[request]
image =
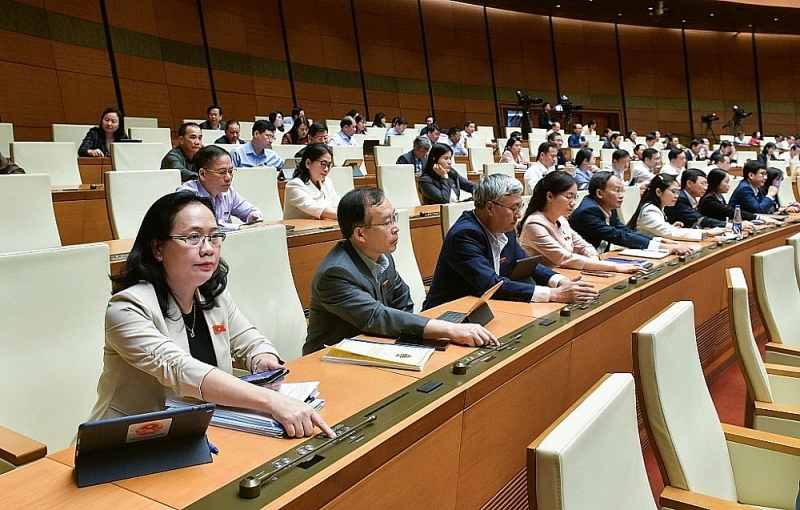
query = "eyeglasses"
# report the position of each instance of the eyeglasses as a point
(222, 171)
(674, 191)
(517, 208)
(387, 224)
(570, 196)
(323, 163)
(195, 239)
(269, 138)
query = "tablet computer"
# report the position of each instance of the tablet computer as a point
(524, 268)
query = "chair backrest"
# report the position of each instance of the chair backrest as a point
(261, 284)
(246, 130)
(591, 457)
(626, 146)
(59, 160)
(387, 154)
(785, 191)
(376, 133)
(474, 142)
(52, 361)
(342, 179)
(480, 156)
(461, 168)
(143, 122)
(259, 185)
(404, 141)
(74, 133)
(794, 242)
(691, 445)
(604, 155)
(153, 135)
(287, 151)
(778, 302)
(595, 145)
(735, 180)
(137, 156)
(697, 164)
(36, 228)
(399, 185)
(209, 135)
(780, 164)
(629, 203)
(6, 137)
(499, 168)
(451, 213)
(342, 154)
(130, 195)
(487, 130)
(406, 262)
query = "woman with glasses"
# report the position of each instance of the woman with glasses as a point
(172, 327)
(310, 194)
(440, 183)
(649, 217)
(544, 229)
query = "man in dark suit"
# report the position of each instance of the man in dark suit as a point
(693, 186)
(545, 120)
(596, 219)
(418, 155)
(357, 289)
(693, 152)
(481, 249)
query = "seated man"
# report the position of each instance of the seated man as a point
(615, 138)
(213, 118)
(258, 151)
(561, 159)
(750, 194)
(693, 186)
(693, 152)
(215, 172)
(231, 136)
(596, 219)
(344, 138)
(677, 161)
(7, 167)
(399, 125)
(433, 133)
(620, 161)
(356, 288)
(481, 249)
(576, 139)
(190, 139)
(453, 140)
(643, 173)
(418, 155)
(545, 163)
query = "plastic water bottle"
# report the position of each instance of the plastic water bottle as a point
(737, 223)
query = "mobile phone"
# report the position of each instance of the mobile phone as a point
(268, 377)
(440, 344)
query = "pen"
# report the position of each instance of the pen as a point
(213, 449)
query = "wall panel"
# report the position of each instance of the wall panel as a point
(780, 100)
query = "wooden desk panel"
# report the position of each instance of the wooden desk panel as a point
(93, 170)
(81, 215)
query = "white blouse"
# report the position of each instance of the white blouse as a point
(653, 221)
(303, 200)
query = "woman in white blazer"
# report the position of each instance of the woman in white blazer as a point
(310, 194)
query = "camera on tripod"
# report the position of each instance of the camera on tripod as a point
(711, 117)
(566, 107)
(526, 100)
(739, 113)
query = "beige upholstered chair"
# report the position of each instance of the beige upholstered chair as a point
(480, 156)
(487, 130)
(287, 151)
(629, 203)
(6, 137)
(785, 192)
(405, 141)
(130, 194)
(53, 304)
(461, 168)
(406, 262)
(137, 156)
(452, 212)
(735, 181)
(59, 160)
(700, 165)
(779, 303)
(499, 168)
(152, 135)
(591, 456)
(144, 122)
(794, 242)
(259, 185)
(246, 131)
(37, 228)
(210, 135)
(74, 133)
(399, 185)
(700, 458)
(342, 154)
(387, 155)
(260, 281)
(342, 179)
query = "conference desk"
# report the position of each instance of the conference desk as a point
(462, 445)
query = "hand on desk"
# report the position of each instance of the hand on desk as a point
(472, 335)
(298, 418)
(573, 289)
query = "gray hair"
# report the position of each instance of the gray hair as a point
(494, 187)
(422, 141)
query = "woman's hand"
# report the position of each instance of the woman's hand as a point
(96, 153)
(298, 418)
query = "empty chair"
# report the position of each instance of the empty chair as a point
(406, 262)
(699, 455)
(143, 122)
(259, 185)
(53, 351)
(604, 155)
(137, 156)
(130, 194)
(342, 179)
(479, 157)
(70, 133)
(387, 155)
(779, 303)
(246, 131)
(359, 139)
(151, 135)
(6, 137)
(209, 135)
(341, 155)
(404, 141)
(700, 165)
(376, 133)
(474, 142)
(629, 203)
(768, 386)
(626, 146)
(399, 185)
(59, 160)
(794, 242)
(780, 164)
(451, 213)
(591, 456)
(260, 281)
(287, 151)
(461, 168)
(785, 192)
(488, 131)
(595, 145)
(538, 133)
(36, 228)
(499, 168)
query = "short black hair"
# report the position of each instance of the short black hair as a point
(725, 143)
(399, 120)
(552, 136)
(599, 181)
(691, 174)
(695, 143)
(619, 154)
(648, 153)
(316, 128)
(262, 125)
(208, 154)
(650, 137)
(353, 206)
(347, 121)
(674, 153)
(213, 107)
(752, 167)
(182, 129)
(544, 148)
(452, 131)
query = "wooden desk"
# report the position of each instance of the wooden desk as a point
(81, 214)
(93, 170)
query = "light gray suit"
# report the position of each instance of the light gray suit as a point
(346, 300)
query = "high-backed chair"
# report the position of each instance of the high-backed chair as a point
(735, 180)
(404, 141)
(629, 203)
(137, 156)
(130, 194)
(342, 154)
(474, 142)
(342, 179)
(698, 456)
(700, 165)
(376, 133)
(287, 151)
(461, 168)
(137, 122)
(260, 281)
(451, 213)
(590, 457)
(152, 135)
(780, 164)
(487, 130)
(604, 155)
(406, 262)
(36, 228)
(59, 160)
(387, 154)
(778, 303)
(785, 192)
(53, 304)
(769, 387)
(246, 131)
(6, 137)
(499, 168)
(74, 133)
(259, 185)
(399, 185)
(480, 156)
(794, 242)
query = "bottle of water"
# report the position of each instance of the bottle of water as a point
(737, 223)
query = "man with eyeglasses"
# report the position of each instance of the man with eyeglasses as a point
(258, 151)
(357, 289)
(215, 177)
(481, 250)
(190, 139)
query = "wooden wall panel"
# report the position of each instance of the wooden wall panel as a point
(780, 100)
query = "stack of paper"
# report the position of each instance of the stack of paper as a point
(378, 354)
(254, 422)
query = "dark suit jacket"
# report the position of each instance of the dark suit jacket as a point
(690, 156)
(436, 190)
(175, 158)
(589, 221)
(748, 200)
(95, 139)
(545, 121)
(346, 300)
(7, 167)
(715, 207)
(408, 159)
(206, 125)
(465, 266)
(684, 212)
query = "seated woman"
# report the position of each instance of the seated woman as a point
(767, 153)
(380, 121)
(756, 138)
(361, 125)
(649, 217)
(439, 182)
(713, 203)
(775, 178)
(172, 327)
(513, 154)
(310, 194)
(276, 117)
(750, 195)
(544, 229)
(298, 135)
(98, 140)
(584, 167)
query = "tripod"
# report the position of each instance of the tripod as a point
(708, 130)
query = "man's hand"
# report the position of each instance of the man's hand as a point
(472, 335)
(573, 289)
